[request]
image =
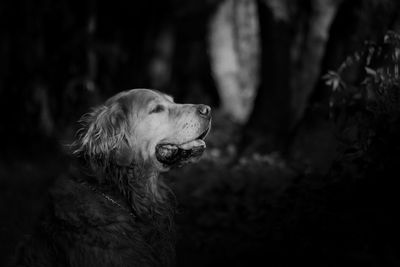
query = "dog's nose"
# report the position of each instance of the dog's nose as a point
(204, 110)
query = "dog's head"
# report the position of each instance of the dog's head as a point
(145, 127)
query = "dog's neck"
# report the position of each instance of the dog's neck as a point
(142, 188)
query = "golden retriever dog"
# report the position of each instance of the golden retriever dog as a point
(114, 209)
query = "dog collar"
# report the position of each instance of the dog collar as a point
(110, 199)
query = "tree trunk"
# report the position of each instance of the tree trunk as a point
(234, 51)
(308, 53)
(294, 38)
(269, 122)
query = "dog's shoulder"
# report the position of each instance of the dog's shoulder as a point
(77, 203)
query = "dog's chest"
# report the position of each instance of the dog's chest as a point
(97, 228)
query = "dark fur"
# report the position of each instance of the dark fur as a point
(105, 214)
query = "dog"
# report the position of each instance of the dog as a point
(114, 209)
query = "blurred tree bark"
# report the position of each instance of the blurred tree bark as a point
(308, 52)
(293, 38)
(234, 54)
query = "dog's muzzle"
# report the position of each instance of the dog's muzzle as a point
(172, 154)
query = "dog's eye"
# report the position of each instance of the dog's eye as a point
(158, 109)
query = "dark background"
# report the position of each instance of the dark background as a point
(308, 176)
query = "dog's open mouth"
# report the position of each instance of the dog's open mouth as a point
(203, 135)
(171, 154)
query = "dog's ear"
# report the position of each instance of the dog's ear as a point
(105, 137)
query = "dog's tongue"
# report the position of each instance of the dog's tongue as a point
(195, 144)
(172, 154)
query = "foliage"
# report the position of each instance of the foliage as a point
(365, 101)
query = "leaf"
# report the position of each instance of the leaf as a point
(332, 79)
(370, 71)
